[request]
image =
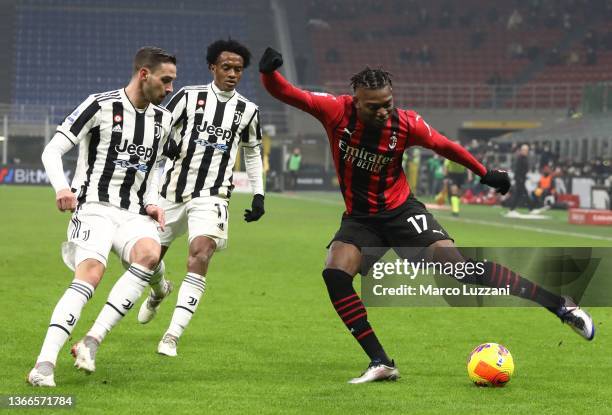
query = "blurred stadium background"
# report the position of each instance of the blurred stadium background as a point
(492, 75)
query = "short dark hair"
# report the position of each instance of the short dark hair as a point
(150, 57)
(230, 45)
(371, 79)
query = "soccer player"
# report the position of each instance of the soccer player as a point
(210, 122)
(114, 199)
(368, 136)
(456, 175)
(521, 168)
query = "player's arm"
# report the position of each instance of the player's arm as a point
(325, 107)
(70, 132)
(151, 197)
(178, 107)
(424, 135)
(251, 143)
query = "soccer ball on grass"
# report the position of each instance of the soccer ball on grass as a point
(490, 364)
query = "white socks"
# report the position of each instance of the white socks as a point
(121, 299)
(64, 318)
(158, 282)
(189, 295)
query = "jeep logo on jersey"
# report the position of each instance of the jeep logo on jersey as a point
(218, 132)
(133, 149)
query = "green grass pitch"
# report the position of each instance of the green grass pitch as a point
(266, 339)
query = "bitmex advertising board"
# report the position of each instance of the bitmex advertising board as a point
(25, 175)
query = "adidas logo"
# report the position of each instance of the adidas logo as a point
(117, 128)
(200, 110)
(220, 226)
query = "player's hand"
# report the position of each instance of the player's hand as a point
(257, 209)
(270, 61)
(65, 200)
(157, 214)
(497, 179)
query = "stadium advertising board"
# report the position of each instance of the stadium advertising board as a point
(24, 175)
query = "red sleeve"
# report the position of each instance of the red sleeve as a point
(425, 136)
(325, 107)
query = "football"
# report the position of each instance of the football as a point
(490, 364)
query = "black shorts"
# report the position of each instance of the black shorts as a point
(407, 226)
(457, 179)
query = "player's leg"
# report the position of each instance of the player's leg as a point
(161, 288)
(176, 225)
(343, 262)
(89, 241)
(201, 250)
(499, 276)
(137, 244)
(208, 222)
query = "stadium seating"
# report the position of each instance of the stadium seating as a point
(65, 51)
(361, 36)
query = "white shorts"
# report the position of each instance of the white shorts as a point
(96, 228)
(202, 216)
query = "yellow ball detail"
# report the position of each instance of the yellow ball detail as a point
(490, 364)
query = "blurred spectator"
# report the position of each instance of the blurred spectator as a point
(492, 15)
(573, 58)
(567, 22)
(435, 169)
(515, 50)
(533, 18)
(405, 55)
(423, 17)
(425, 56)
(446, 13)
(519, 191)
(515, 20)
(495, 79)
(590, 57)
(293, 165)
(533, 52)
(477, 37)
(467, 18)
(591, 40)
(547, 157)
(332, 56)
(554, 57)
(546, 186)
(552, 19)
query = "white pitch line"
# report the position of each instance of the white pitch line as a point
(530, 228)
(465, 220)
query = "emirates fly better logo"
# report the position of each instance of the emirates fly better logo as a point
(362, 158)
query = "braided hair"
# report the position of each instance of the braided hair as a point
(371, 79)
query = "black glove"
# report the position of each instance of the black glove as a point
(497, 179)
(257, 209)
(270, 61)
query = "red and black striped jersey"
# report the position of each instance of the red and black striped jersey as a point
(368, 160)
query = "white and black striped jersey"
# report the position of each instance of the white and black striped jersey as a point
(118, 149)
(209, 125)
